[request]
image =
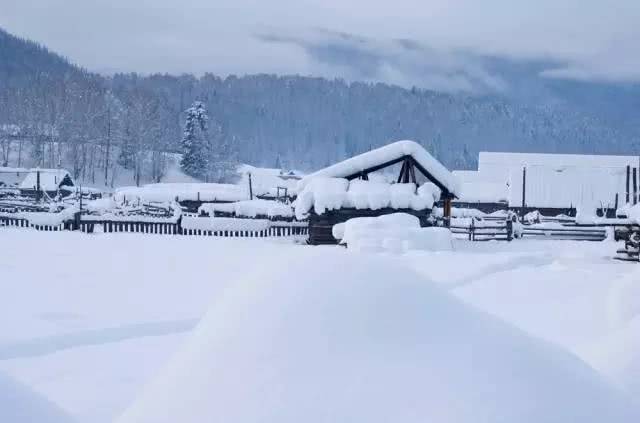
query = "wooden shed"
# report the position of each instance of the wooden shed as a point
(421, 181)
(49, 181)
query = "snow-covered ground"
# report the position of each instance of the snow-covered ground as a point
(90, 322)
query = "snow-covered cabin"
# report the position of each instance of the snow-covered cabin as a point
(563, 182)
(348, 189)
(50, 181)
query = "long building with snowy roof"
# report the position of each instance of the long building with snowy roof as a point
(553, 182)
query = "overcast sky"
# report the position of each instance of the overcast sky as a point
(401, 41)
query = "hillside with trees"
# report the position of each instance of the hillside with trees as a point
(53, 113)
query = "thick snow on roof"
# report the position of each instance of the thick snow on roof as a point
(475, 188)
(19, 404)
(50, 179)
(323, 194)
(265, 181)
(385, 154)
(167, 192)
(357, 338)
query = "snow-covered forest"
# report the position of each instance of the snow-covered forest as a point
(53, 112)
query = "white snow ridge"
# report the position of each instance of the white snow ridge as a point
(353, 338)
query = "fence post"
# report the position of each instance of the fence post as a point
(635, 185)
(524, 191)
(628, 180)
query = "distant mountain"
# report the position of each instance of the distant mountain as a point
(132, 121)
(21, 59)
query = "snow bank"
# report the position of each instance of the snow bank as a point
(323, 194)
(167, 192)
(397, 232)
(385, 154)
(359, 339)
(224, 224)
(18, 404)
(101, 205)
(249, 208)
(47, 219)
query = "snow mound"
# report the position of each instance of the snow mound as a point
(397, 232)
(335, 337)
(18, 404)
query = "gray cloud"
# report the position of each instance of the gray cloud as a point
(429, 43)
(403, 62)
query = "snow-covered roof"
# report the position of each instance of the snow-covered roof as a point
(555, 180)
(475, 188)
(394, 151)
(324, 194)
(167, 192)
(50, 179)
(487, 161)
(265, 181)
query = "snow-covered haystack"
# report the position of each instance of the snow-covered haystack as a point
(397, 232)
(18, 404)
(335, 337)
(322, 194)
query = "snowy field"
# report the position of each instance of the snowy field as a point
(100, 324)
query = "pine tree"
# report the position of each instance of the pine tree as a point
(195, 143)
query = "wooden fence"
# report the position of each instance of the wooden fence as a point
(496, 230)
(275, 229)
(505, 230)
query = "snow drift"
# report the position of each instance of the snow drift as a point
(336, 337)
(18, 404)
